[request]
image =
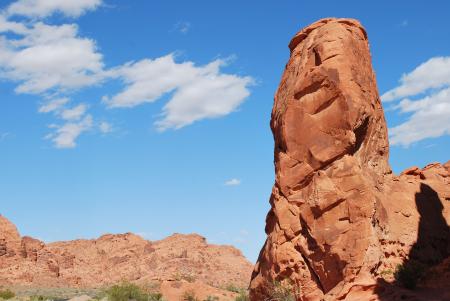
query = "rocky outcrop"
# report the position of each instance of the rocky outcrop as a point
(9, 239)
(113, 258)
(339, 217)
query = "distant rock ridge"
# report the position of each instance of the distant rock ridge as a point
(340, 220)
(112, 258)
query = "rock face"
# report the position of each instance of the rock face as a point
(113, 258)
(9, 239)
(339, 217)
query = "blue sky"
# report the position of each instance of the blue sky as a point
(153, 116)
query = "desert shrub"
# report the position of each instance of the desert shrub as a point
(42, 298)
(189, 296)
(128, 291)
(409, 273)
(99, 296)
(234, 288)
(386, 272)
(283, 291)
(155, 297)
(211, 298)
(7, 294)
(243, 296)
(189, 277)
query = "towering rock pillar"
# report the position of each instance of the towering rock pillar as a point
(331, 165)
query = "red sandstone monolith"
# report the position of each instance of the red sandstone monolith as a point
(339, 217)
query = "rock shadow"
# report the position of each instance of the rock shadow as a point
(431, 248)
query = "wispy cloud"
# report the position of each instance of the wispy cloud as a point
(54, 61)
(75, 121)
(182, 27)
(233, 182)
(199, 92)
(430, 118)
(105, 127)
(433, 74)
(74, 113)
(5, 135)
(65, 135)
(242, 237)
(50, 59)
(53, 105)
(45, 8)
(423, 94)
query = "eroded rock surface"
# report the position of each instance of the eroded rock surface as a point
(110, 259)
(339, 217)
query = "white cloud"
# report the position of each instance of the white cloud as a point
(11, 26)
(208, 97)
(233, 182)
(105, 127)
(147, 80)
(44, 8)
(50, 58)
(41, 33)
(54, 60)
(75, 119)
(199, 92)
(430, 119)
(53, 105)
(51, 61)
(427, 89)
(433, 74)
(66, 134)
(74, 113)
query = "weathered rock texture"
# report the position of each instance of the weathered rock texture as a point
(339, 217)
(110, 259)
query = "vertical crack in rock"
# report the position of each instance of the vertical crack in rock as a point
(339, 216)
(317, 59)
(360, 134)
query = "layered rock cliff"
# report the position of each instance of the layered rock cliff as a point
(339, 217)
(110, 259)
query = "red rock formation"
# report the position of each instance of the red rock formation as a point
(9, 239)
(339, 217)
(114, 258)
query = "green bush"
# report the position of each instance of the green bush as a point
(211, 298)
(7, 294)
(155, 297)
(386, 272)
(283, 291)
(189, 296)
(233, 288)
(128, 291)
(409, 273)
(243, 296)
